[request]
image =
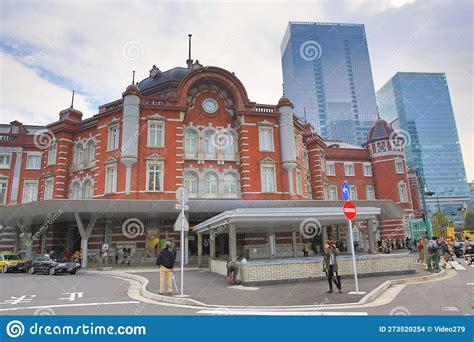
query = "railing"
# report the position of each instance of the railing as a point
(265, 109)
(7, 136)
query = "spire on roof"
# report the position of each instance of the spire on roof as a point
(189, 61)
(72, 100)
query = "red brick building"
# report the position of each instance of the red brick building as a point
(193, 127)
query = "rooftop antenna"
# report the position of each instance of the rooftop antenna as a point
(133, 77)
(189, 61)
(283, 88)
(72, 100)
(304, 113)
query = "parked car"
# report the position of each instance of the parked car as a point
(458, 246)
(10, 262)
(44, 264)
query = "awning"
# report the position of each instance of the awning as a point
(282, 219)
(39, 212)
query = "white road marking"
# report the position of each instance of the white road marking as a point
(72, 296)
(469, 283)
(279, 313)
(243, 288)
(449, 308)
(457, 266)
(17, 300)
(68, 305)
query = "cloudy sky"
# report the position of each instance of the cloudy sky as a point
(49, 48)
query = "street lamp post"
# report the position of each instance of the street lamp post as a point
(437, 198)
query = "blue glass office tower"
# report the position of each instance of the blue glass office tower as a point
(419, 103)
(327, 75)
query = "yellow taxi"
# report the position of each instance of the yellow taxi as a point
(10, 262)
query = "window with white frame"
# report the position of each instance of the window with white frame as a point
(332, 192)
(299, 186)
(76, 190)
(111, 179)
(5, 160)
(114, 137)
(88, 189)
(30, 191)
(190, 142)
(33, 161)
(370, 192)
(367, 169)
(330, 168)
(156, 134)
(399, 166)
(209, 144)
(48, 188)
(349, 169)
(154, 176)
(191, 183)
(268, 178)
(3, 191)
(265, 138)
(353, 192)
(402, 191)
(90, 153)
(78, 156)
(210, 183)
(52, 153)
(230, 184)
(227, 141)
(309, 190)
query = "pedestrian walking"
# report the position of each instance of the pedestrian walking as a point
(465, 251)
(165, 261)
(433, 257)
(425, 243)
(447, 257)
(330, 266)
(420, 252)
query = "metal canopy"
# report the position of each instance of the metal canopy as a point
(38, 212)
(279, 219)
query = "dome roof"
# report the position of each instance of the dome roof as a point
(175, 74)
(132, 89)
(284, 101)
(380, 130)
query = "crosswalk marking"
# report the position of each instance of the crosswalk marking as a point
(225, 312)
(449, 308)
(457, 266)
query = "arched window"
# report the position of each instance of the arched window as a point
(209, 144)
(90, 153)
(228, 143)
(88, 189)
(210, 181)
(78, 155)
(191, 183)
(230, 184)
(190, 142)
(76, 191)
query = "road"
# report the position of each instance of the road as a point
(99, 294)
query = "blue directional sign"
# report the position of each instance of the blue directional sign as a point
(346, 191)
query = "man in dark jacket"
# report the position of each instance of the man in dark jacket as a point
(330, 265)
(166, 260)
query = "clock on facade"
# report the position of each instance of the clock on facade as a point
(209, 105)
(381, 147)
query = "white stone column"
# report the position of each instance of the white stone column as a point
(212, 245)
(293, 240)
(272, 244)
(371, 232)
(199, 245)
(85, 233)
(232, 241)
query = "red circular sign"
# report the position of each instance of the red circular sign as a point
(350, 210)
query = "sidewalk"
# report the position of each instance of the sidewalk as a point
(212, 289)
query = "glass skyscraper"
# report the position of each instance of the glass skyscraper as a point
(327, 75)
(419, 106)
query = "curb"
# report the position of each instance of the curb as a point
(368, 298)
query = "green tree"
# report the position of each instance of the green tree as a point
(439, 219)
(469, 220)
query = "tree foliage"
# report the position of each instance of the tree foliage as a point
(469, 220)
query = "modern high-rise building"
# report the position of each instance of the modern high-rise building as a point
(419, 106)
(327, 75)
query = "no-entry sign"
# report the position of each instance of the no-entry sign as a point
(349, 210)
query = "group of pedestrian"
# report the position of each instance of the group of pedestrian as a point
(388, 245)
(435, 253)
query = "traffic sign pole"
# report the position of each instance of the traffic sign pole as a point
(353, 257)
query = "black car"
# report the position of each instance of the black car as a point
(458, 248)
(44, 264)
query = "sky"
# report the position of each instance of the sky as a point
(49, 48)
